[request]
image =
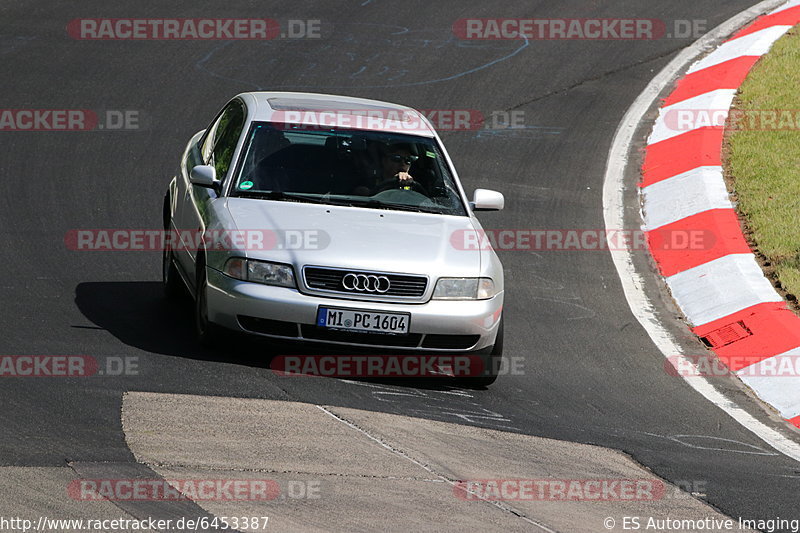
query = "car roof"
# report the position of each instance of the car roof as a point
(345, 112)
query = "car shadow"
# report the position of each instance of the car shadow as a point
(138, 314)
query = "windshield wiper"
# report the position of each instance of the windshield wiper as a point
(377, 204)
(280, 195)
(327, 200)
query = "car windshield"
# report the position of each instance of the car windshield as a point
(375, 170)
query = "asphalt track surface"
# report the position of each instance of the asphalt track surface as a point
(591, 373)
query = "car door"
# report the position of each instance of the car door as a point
(215, 148)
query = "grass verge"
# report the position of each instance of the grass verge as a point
(762, 162)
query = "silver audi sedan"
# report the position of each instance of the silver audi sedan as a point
(335, 220)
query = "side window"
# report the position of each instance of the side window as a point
(222, 137)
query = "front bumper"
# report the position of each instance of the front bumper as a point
(290, 314)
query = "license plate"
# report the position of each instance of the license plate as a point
(363, 321)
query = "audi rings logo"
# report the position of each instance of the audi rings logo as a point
(366, 283)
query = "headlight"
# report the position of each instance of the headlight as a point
(464, 289)
(260, 272)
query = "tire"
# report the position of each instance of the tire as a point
(208, 333)
(492, 359)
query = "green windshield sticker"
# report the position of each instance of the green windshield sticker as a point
(431, 155)
(246, 185)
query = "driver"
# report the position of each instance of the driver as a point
(396, 161)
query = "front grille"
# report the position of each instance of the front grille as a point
(450, 342)
(372, 339)
(328, 279)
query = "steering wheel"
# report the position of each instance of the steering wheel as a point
(394, 183)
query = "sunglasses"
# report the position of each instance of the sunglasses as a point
(407, 159)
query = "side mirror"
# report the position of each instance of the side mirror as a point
(204, 176)
(486, 200)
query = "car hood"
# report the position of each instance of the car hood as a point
(358, 238)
